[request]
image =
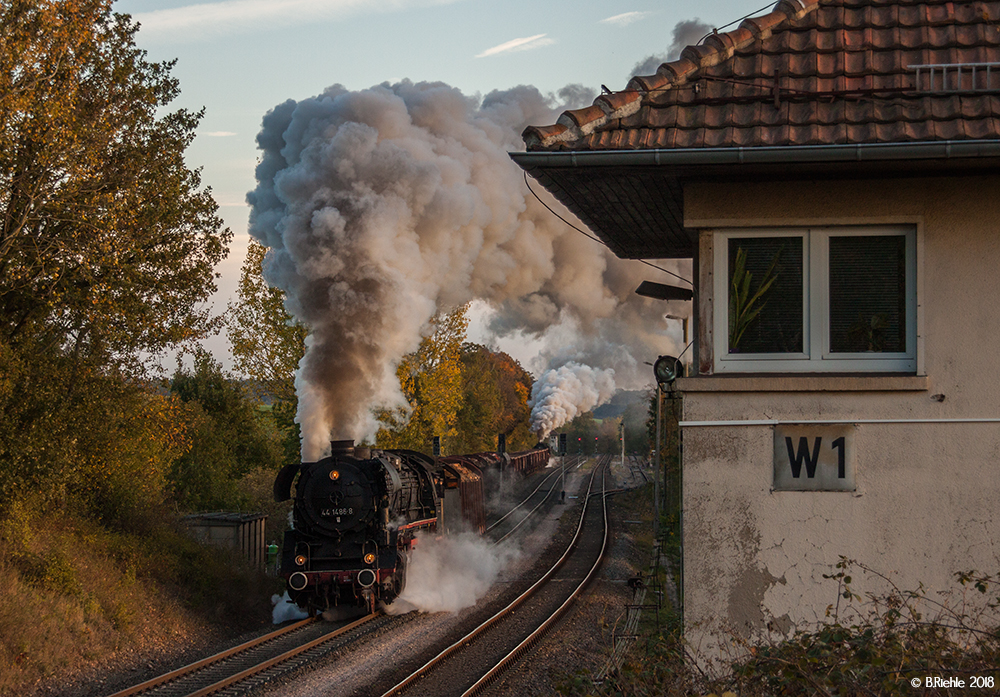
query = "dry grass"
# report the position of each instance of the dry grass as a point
(74, 596)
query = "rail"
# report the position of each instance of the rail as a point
(199, 666)
(536, 635)
(460, 644)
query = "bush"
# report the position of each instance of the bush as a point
(71, 434)
(228, 436)
(888, 640)
(871, 646)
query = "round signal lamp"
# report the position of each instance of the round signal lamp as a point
(300, 560)
(667, 369)
(369, 558)
(334, 475)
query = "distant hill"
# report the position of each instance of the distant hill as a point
(621, 401)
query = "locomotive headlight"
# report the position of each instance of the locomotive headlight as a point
(369, 558)
(334, 475)
(300, 560)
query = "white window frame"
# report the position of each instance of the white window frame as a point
(816, 356)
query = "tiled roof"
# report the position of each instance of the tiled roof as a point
(811, 72)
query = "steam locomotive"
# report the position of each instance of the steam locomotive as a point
(357, 512)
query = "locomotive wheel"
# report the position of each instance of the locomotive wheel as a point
(399, 578)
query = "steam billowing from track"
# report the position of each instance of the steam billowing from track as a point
(448, 573)
(385, 206)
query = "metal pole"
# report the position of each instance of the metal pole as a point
(656, 465)
(562, 478)
(623, 441)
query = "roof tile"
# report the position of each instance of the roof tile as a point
(619, 104)
(844, 74)
(649, 83)
(762, 27)
(678, 70)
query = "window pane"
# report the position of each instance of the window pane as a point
(868, 294)
(765, 295)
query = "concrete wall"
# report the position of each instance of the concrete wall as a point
(241, 533)
(927, 494)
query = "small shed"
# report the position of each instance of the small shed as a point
(240, 532)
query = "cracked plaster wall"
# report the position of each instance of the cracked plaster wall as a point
(926, 494)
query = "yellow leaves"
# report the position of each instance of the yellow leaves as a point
(431, 380)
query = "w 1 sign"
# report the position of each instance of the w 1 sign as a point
(814, 458)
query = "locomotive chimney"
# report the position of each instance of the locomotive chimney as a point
(342, 447)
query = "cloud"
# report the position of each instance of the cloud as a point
(218, 134)
(626, 18)
(525, 44)
(198, 21)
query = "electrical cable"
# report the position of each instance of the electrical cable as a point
(596, 239)
(715, 30)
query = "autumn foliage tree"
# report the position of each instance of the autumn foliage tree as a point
(431, 381)
(267, 343)
(495, 391)
(463, 392)
(107, 240)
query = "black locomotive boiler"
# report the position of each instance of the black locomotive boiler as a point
(357, 512)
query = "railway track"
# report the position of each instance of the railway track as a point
(510, 522)
(257, 661)
(242, 668)
(470, 664)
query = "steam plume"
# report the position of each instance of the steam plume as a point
(451, 572)
(686, 33)
(386, 206)
(284, 609)
(561, 394)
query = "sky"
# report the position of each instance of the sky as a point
(238, 59)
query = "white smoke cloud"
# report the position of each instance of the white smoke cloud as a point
(563, 393)
(451, 572)
(386, 206)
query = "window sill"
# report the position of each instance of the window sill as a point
(804, 383)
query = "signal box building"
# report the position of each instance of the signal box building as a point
(832, 168)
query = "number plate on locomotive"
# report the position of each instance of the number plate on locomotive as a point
(329, 512)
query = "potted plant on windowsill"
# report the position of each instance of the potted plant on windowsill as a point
(745, 301)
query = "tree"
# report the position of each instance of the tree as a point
(107, 242)
(107, 249)
(495, 391)
(431, 381)
(106, 443)
(228, 435)
(267, 343)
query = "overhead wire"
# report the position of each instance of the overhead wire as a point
(596, 239)
(715, 30)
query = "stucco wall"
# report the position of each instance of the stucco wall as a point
(927, 494)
